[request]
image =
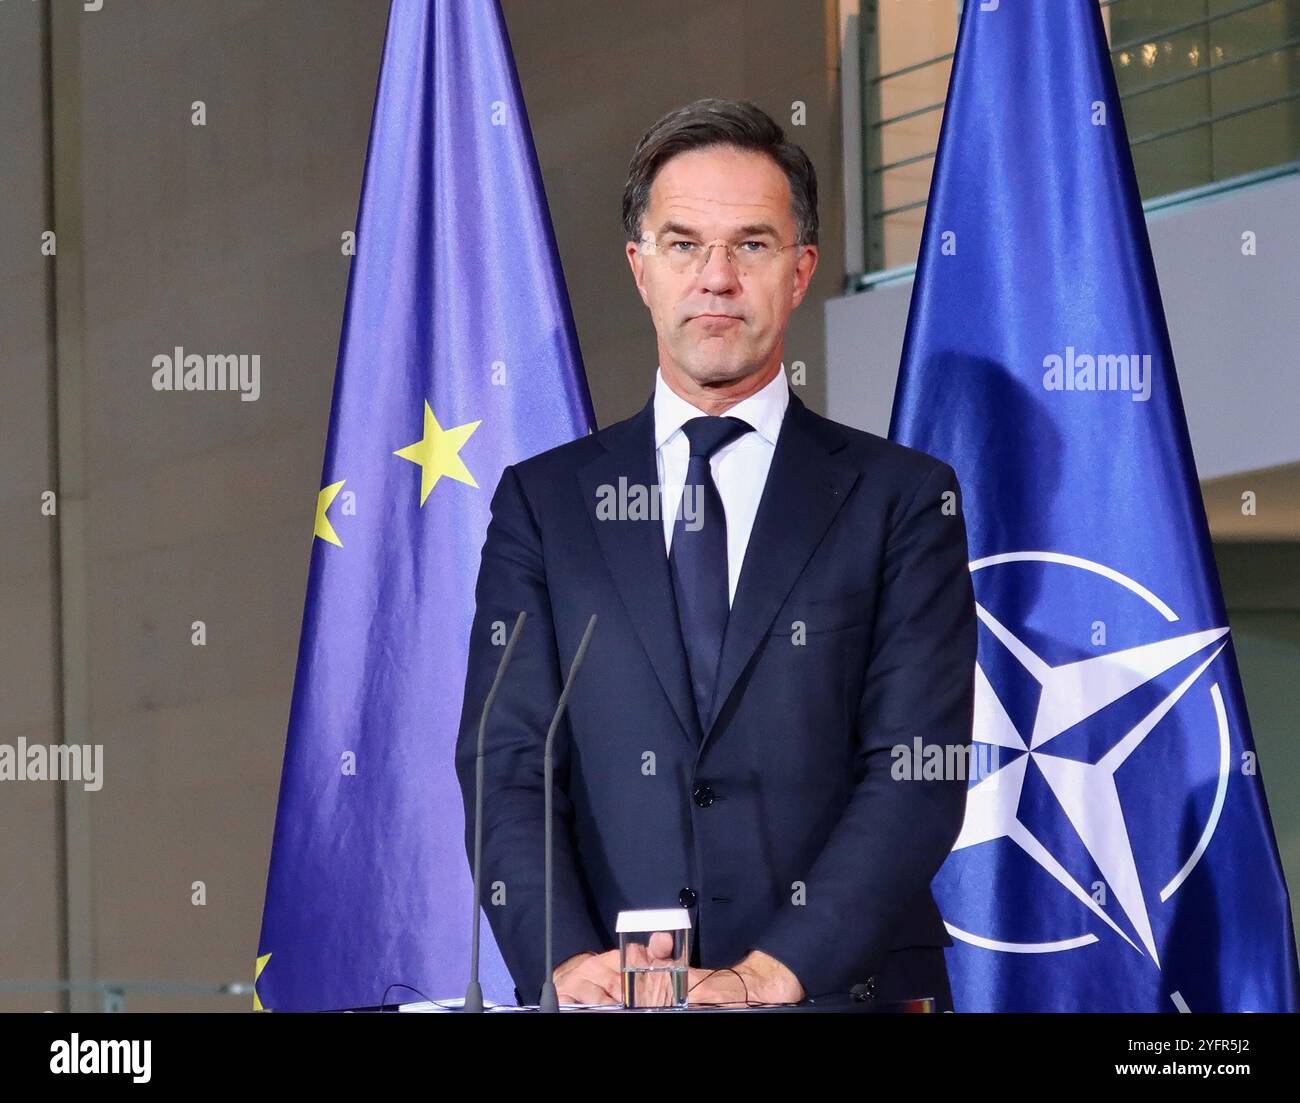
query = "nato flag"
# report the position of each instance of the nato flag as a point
(458, 357)
(1117, 853)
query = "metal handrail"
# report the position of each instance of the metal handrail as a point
(905, 161)
(1210, 120)
(908, 115)
(901, 209)
(913, 67)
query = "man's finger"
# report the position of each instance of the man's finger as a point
(602, 978)
(611, 979)
(660, 945)
(580, 990)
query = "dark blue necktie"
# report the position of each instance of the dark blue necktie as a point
(698, 557)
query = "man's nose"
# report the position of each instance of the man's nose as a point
(719, 273)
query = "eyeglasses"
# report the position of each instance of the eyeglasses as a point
(684, 254)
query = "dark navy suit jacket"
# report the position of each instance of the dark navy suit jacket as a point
(779, 825)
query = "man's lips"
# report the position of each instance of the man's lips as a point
(715, 318)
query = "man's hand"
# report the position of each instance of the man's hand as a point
(589, 978)
(761, 979)
(596, 978)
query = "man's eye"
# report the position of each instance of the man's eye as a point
(757, 246)
(680, 246)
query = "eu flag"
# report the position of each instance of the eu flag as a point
(458, 357)
(1117, 853)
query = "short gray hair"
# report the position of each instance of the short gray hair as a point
(711, 122)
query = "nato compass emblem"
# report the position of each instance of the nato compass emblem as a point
(1112, 759)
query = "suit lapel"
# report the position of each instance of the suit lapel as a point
(806, 486)
(634, 552)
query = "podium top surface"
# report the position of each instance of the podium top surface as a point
(838, 1003)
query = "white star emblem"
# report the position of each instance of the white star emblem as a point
(1085, 791)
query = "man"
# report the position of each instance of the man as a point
(790, 613)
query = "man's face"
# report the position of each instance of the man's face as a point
(725, 321)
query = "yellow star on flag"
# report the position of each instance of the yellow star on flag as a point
(323, 501)
(438, 453)
(257, 971)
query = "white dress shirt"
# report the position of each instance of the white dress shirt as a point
(739, 467)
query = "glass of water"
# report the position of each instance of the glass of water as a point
(653, 955)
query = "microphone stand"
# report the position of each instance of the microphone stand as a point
(549, 999)
(474, 993)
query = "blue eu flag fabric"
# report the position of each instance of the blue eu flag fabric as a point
(1117, 853)
(458, 356)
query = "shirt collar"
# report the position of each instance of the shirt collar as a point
(764, 409)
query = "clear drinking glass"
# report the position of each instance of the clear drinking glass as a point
(653, 954)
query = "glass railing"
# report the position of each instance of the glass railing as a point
(1210, 88)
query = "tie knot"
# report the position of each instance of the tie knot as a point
(708, 434)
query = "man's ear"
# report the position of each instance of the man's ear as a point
(804, 268)
(636, 261)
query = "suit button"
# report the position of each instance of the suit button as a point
(703, 795)
(687, 898)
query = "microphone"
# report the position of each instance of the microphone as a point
(474, 993)
(549, 999)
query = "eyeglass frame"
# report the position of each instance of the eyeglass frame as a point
(648, 239)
